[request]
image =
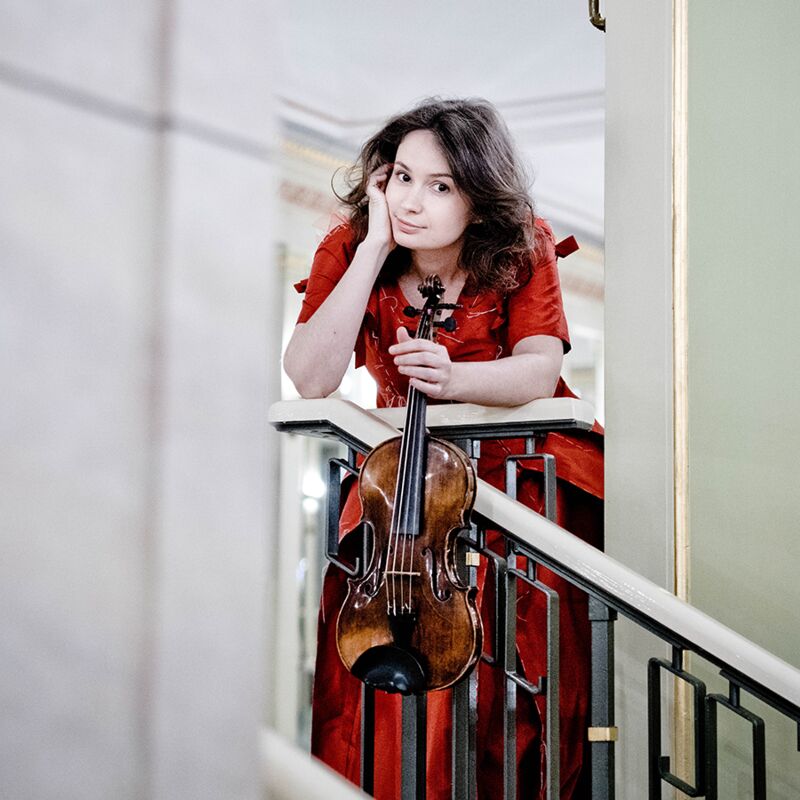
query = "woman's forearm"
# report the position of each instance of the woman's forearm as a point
(530, 372)
(509, 381)
(320, 349)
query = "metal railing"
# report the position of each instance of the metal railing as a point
(612, 589)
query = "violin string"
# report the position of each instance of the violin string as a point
(415, 399)
(403, 521)
(395, 530)
(418, 417)
(407, 537)
(402, 506)
(414, 420)
(391, 593)
(404, 500)
(401, 511)
(399, 522)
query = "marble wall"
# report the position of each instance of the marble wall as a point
(137, 155)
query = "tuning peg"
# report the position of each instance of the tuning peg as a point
(448, 305)
(448, 324)
(410, 311)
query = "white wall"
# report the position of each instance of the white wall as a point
(744, 348)
(638, 355)
(136, 154)
(743, 173)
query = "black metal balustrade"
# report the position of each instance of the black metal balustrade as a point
(747, 669)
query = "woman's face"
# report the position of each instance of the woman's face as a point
(427, 210)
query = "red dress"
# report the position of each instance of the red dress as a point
(488, 326)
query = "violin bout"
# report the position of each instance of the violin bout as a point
(410, 624)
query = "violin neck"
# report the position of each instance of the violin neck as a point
(409, 494)
(409, 498)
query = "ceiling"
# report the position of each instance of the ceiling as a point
(349, 64)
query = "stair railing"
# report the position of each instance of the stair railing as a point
(612, 589)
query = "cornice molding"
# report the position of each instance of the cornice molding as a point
(531, 119)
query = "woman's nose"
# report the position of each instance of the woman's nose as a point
(411, 199)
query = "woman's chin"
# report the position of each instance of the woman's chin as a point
(410, 240)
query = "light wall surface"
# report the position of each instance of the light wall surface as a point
(744, 343)
(136, 153)
(639, 520)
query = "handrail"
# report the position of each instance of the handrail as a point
(758, 671)
(362, 428)
(483, 422)
(628, 592)
(288, 773)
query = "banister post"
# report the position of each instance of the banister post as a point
(602, 732)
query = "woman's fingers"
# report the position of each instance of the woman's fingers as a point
(380, 228)
(426, 364)
(430, 374)
(377, 179)
(406, 345)
(423, 358)
(402, 336)
(430, 389)
(382, 170)
(421, 355)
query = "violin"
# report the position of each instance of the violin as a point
(409, 623)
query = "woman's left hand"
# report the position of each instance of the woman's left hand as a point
(427, 364)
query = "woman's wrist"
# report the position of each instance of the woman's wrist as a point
(455, 383)
(374, 248)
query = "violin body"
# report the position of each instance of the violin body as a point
(410, 623)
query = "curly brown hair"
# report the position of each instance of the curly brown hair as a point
(496, 253)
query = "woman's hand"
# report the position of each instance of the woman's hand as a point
(380, 225)
(426, 364)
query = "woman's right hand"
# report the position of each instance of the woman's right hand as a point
(380, 225)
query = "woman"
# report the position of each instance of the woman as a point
(439, 190)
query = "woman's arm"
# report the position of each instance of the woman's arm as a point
(530, 372)
(319, 351)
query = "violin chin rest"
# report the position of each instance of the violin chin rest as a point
(390, 669)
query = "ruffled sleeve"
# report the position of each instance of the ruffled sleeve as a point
(536, 308)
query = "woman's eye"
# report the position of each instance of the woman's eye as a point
(403, 176)
(441, 188)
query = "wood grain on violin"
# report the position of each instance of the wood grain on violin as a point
(410, 624)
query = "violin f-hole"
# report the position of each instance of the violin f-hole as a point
(438, 578)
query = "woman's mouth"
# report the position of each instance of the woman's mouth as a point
(407, 227)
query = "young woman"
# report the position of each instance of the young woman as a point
(440, 190)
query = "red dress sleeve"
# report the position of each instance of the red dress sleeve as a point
(536, 308)
(333, 256)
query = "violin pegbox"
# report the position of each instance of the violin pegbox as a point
(432, 290)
